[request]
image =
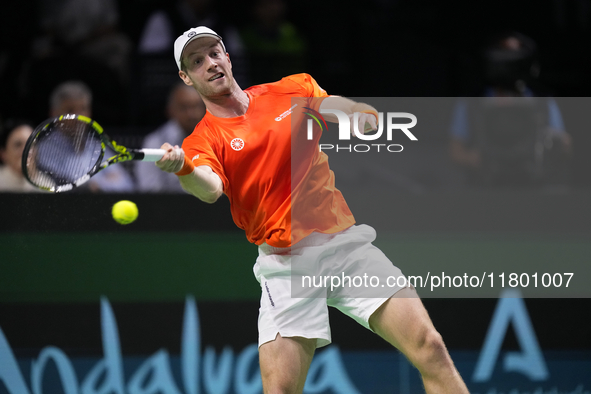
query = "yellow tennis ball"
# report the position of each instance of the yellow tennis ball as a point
(124, 212)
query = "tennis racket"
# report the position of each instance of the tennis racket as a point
(65, 152)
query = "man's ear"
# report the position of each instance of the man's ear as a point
(183, 75)
(228, 57)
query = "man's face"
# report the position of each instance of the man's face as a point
(15, 144)
(208, 68)
(186, 107)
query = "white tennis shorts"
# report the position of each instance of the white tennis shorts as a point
(343, 270)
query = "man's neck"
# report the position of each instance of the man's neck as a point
(228, 106)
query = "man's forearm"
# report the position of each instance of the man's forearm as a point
(203, 183)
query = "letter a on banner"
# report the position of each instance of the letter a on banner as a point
(529, 361)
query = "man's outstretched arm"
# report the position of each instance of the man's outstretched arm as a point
(199, 181)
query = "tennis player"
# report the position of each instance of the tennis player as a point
(243, 148)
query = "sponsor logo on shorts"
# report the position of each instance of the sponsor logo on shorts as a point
(237, 143)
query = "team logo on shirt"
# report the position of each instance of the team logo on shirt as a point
(237, 143)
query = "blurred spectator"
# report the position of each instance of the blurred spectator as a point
(156, 73)
(79, 41)
(13, 138)
(185, 109)
(74, 97)
(274, 46)
(502, 140)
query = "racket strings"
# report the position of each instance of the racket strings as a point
(62, 153)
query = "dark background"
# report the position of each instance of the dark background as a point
(379, 47)
(419, 48)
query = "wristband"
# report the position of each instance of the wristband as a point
(188, 167)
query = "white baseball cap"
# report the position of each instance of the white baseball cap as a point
(188, 36)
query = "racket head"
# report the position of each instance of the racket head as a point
(63, 153)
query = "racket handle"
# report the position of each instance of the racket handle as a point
(151, 154)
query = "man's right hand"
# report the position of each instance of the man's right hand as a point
(173, 159)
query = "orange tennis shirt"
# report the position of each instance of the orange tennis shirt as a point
(278, 182)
